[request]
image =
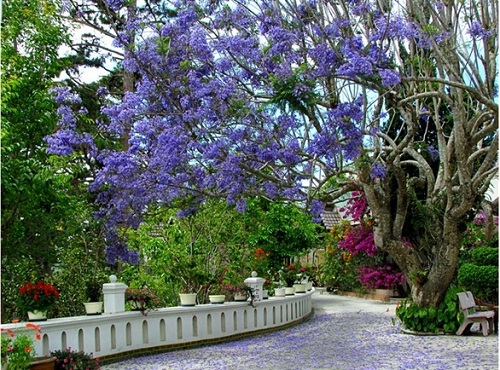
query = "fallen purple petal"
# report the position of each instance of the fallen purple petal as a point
(344, 340)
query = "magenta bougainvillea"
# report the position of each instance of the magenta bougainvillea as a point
(359, 239)
(356, 207)
(381, 277)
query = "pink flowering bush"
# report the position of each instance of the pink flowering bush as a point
(358, 239)
(382, 277)
(69, 359)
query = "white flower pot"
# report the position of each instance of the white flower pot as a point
(265, 294)
(289, 291)
(240, 297)
(93, 308)
(279, 292)
(217, 298)
(37, 315)
(188, 299)
(299, 288)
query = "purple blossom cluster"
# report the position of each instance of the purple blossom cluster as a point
(477, 30)
(233, 101)
(378, 171)
(433, 153)
(480, 218)
(115, 4)
(67, 139)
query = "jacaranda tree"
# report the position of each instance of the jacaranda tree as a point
(277, 98)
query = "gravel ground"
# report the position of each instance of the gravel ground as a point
(344, 333)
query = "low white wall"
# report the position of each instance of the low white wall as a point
(116, 335)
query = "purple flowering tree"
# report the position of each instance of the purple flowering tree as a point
(265, 98)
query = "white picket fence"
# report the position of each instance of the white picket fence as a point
(111, 336)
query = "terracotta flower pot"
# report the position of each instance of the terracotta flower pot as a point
(43, 363)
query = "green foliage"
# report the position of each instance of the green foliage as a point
(18, 271)
(18, 349)
(482, 281)
(185, 255)
(85, 259)
(475, 236)
(43, 209)
(484, 256)
(145, 275)
(285, 91)
(216, 245)
(282, 231)
(428, 319)
(338, 271)
(478, 263)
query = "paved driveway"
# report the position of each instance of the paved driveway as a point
(344, 333)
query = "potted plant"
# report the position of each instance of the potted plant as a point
(301, 278)
(291, 274)
(141, 299)
(18, 350)
(36, 299)
(277, 282)
(69, 359)
(94, 303)
(241, 292)
(189, 294)
(218, 293)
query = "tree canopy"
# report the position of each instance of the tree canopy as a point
(275, 98)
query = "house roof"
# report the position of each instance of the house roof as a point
(330, 218)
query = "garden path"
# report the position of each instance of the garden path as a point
(344, 333)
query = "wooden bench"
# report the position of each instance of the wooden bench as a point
(471, 316)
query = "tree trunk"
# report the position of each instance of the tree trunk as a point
(428, 279)
(430, 263)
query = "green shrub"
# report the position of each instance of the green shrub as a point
(482, 281)
(485, 256)
(431, 320)
(76, 261)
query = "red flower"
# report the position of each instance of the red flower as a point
(39, 296)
